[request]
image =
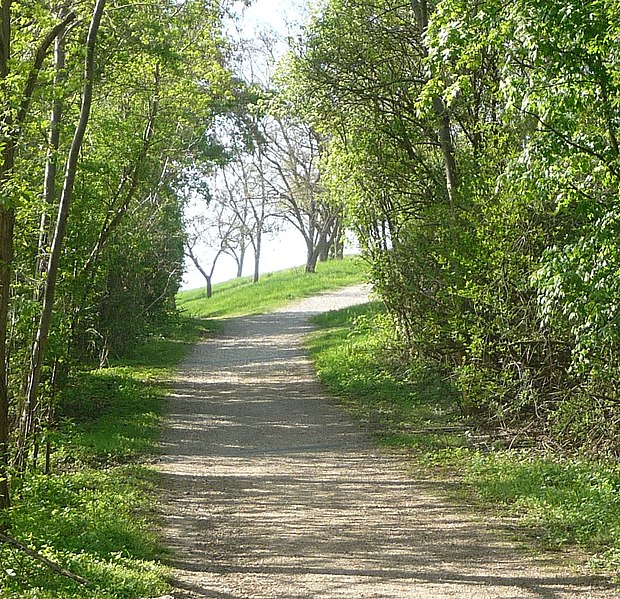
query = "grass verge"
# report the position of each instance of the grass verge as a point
(561, 501)
(93, 514)
(273, 290)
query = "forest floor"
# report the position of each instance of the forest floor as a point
(272, 491)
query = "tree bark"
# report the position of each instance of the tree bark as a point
(312, 256)
(241, 260)
(444, 131)
(7, 224)
(40, 344)
(257, 250)
(51, 163)
(323, 247)
(447, 145)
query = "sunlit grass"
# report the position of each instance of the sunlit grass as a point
(561, 501)
(399, 409)
(273, 290)
(93, 514)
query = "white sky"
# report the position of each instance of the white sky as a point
(274, 14)
(289, 248)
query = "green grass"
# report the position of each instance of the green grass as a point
(350, 358)
(94, 522)
(560, 501)
(93, 514)
(273, 290)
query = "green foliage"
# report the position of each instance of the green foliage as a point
(506, 275)
(559, 502)
(273, 290)
(159, 82)
(117, 411)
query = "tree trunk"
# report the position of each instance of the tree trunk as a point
(323, 248)
(312, 257)
(447, 145)
(40, 344)
(7, 224)
(12, 130)
(51, 163)
(337, 240)
(208, 276)
(420, 9)
(241, 261)
(257, 250)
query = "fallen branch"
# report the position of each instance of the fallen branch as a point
(49, 563)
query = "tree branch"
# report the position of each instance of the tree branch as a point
(44, 560)
(37, 64)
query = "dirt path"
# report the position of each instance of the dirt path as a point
(272, 492)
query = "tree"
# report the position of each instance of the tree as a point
(40, 344)
(209, 237)
(247, 198)
(116, 249)
(292, 152)
(18, 95)
(481, 185)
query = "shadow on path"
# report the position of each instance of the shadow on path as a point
(272, 492)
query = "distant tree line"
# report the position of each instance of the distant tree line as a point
(476, 148)
(270, 175)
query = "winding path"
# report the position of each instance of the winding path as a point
(271, 492)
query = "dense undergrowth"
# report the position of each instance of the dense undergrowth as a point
(561, 500)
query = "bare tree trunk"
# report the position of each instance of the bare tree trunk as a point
(208, 276)
(336, 241)
(51, 163)
(7, 222)
(312, 256)
(40, 344)
(323, 248)
(447, 145)
(258, 241)
(241, 260)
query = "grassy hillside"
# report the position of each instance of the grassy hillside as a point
(273, 290)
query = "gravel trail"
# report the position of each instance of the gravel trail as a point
(271, 492)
